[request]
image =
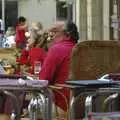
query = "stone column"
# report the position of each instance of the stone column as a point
(115, 20)
(94, 21)
(106, 19)
(81, 18)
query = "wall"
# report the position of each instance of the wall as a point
(38, 10)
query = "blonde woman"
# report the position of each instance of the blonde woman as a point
(34, 51)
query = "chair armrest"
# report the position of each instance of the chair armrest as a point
(56, 87)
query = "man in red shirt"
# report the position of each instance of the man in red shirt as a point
(56, 65)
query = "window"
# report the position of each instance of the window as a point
(61, 9)
(11, 12)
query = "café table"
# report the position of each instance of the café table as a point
(10, 84)
(89, 88)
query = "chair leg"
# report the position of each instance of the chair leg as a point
(57, 113)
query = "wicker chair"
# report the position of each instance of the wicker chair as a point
(93, 59)
(57, 89)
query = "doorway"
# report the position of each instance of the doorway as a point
(11, 12)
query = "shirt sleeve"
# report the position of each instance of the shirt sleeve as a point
(23, 59)
(43, 55)
(49, 66)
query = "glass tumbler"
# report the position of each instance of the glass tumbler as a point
(37, 67)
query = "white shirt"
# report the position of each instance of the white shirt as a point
(9, 41)
(1, 25)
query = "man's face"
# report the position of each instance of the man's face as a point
(57, 30)
(53, 35)
(56, 34)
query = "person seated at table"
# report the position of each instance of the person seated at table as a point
(56, 65)
(9, 39)
(33, 51)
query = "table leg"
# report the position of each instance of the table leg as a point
(48, 105)
(16, 112)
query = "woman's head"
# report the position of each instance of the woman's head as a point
(71, 30)
(35, 29)
(21, 20)
(35, 34)
(36, 25)
(10, 31)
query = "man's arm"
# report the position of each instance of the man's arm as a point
(49, 65)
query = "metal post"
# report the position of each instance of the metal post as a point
(3, 12)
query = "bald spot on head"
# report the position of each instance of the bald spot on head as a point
(57, 26)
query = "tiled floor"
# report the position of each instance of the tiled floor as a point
(4, 117)
(24, 118)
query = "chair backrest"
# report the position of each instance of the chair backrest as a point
(92, 59)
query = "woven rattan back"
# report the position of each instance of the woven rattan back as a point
(92, 59)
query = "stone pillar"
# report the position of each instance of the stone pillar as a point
(81, 18)
(115, 20)
(94, 19)
(106, 19)
(77, 14)
(89, 19)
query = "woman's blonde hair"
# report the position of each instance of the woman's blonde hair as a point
(37, 25)
(38, 36)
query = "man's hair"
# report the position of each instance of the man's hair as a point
(58, 26)
(21, 19)
(71, 30)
